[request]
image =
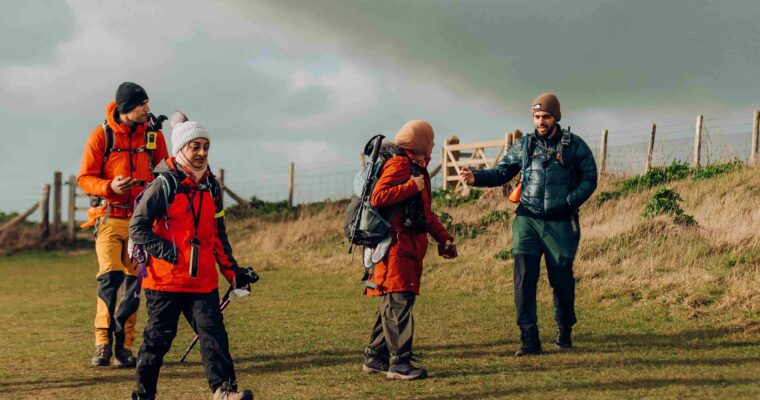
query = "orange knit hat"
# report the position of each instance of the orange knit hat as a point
(416, 136)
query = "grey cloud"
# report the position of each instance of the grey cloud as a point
(610, 52)
(31, 30)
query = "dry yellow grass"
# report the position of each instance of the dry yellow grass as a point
(623, 257)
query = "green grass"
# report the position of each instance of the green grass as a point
(301, 335)
(657, 176)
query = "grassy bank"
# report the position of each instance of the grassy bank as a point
(665, 310)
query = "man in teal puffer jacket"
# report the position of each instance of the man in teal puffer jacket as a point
(558, 175)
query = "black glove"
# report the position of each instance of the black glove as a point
(162, 249)
(245, 277)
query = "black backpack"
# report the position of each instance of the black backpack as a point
(363, 223)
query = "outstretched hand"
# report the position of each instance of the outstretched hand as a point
(466, 176)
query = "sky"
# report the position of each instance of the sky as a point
(310, 81)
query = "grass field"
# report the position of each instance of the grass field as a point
(664, 312)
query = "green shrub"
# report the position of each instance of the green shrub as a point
(503, 255)
(714, 170)
(275, 210)
(661, 175)
(448, 198)
(5, 217)
(665, 201)
(471, 231)
(494, 217)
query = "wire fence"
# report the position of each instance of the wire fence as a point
(723, 140)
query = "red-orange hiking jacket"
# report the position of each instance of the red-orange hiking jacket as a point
(401, 269)
(164, 230)
(128, 161)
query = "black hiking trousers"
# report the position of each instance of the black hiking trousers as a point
(202, 311)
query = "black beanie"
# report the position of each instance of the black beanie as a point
(128, 96)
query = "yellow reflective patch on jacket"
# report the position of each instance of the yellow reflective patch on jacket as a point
(220, 214)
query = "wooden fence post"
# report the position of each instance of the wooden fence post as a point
(603, 153)
(755, 137)
(650, 148)
(697, 142)
(291, 185)
(220, 179)
(20, 218)
(445, 168)
(71, 232)
(57, 182)
(45, 210)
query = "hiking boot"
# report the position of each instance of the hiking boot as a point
(102, 356)
(375, 362)
(124, 358)
(529, 351)
(138, 396)
(402, 368)
(226, 392)
(531, 346)
(564, 340)
(374, 365)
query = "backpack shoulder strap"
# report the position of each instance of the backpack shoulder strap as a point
(564, 148)
(108, 148)
(170, 186)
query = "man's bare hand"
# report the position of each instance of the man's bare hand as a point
(419, 181)
(466, 176)
(121, 185)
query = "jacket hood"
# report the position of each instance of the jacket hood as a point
(115, 125)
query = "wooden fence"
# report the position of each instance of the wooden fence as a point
(455, 155)
(78, 202)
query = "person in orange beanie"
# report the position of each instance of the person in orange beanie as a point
(403, 191)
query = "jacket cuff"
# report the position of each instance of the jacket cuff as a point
(109, 192)
(228, 273)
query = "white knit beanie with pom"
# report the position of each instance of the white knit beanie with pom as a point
(184, 131)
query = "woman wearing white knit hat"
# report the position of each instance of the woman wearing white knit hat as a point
(179, 223)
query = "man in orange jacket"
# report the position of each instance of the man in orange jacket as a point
(117, 162)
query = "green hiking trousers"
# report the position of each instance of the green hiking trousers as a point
(558, 242)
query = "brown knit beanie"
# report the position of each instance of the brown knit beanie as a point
(416, 136)
(547, 102)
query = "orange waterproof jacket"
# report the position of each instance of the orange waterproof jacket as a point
(401, 269)
(164, 230)
(128, 158)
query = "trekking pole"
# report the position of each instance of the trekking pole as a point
(223, 303)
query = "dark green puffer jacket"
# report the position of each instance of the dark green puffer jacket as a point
(552, 190)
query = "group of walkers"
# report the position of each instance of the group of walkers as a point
(170, 209)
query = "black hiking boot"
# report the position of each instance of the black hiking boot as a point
(227, 392)
(531, 345)
(375, 362)
(564, 338)
(124, 358)
(402, 368)
(529, 350)
(102, 356)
